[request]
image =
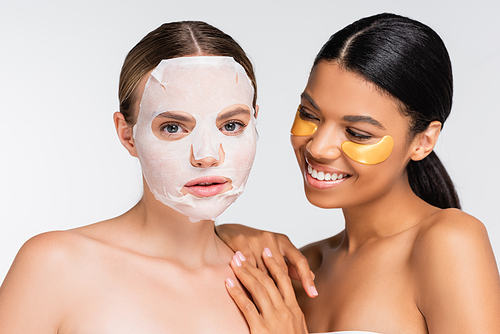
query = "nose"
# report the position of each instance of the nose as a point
(325, 144)
(207, 161)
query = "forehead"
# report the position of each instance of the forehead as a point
(339, 92)
(198, 85)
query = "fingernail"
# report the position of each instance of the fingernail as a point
(267, 251)
(313, 291)
(236, 260)
(229, 282)
(241, 256)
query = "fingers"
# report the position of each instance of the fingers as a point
(251, 242)
(237, 237)
(246, 306)
(274, 308)
(281, 278)
(272, 243)
(260, 285)
(285, 287)
(299, 263)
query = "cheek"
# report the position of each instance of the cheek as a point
(242, 158)
(383, 175)
(239, 152)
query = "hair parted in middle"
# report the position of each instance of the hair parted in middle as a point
(172, 40)
(407, 60)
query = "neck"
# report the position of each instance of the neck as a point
(166, 233)
(396, 211)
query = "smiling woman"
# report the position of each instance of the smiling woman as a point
(352, 115)
(187, 111)
(408, 261)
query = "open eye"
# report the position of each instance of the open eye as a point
(232, 128)
(172, 125)
(172, 129)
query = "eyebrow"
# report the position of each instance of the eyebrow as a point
(347, 118)
(364, 119)
(174, 115)
(309, 99)
(232, 113)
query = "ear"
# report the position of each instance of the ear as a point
(125, 133)
(424, 142)
(256, 111)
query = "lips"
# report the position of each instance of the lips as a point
(207, 186)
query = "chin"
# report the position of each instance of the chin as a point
(321, 200)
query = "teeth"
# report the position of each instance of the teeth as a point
(205, 184)
(324, 176)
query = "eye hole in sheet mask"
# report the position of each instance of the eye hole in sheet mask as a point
(196, 135)
(173, 125)
(233, 120)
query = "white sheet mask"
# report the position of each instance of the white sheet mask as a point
(201, 87)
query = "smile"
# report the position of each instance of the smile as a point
(324, 179)
(322, 176)
(207, 186)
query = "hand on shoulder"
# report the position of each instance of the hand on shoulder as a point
(251, 243)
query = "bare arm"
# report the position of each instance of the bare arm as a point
(251, 242)
(458, 285)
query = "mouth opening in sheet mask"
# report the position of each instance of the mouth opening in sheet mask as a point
(365, 154)
(196, 135)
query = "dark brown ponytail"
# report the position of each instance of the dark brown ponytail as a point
(430, 181)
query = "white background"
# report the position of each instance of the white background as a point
(62, 166)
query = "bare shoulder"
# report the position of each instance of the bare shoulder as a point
(452, 230)
(455, 272)
(48, 249)
(37, 287)
(47, 258)
(451, 235)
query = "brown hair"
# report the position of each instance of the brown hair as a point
(172, 40)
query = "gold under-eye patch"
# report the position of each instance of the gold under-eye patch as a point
(369, 154)
(302, 127)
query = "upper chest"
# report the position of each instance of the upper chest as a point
(133, 295)
(371, 289)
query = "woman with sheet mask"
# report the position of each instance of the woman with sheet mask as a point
(187, 111)
(408, 260)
